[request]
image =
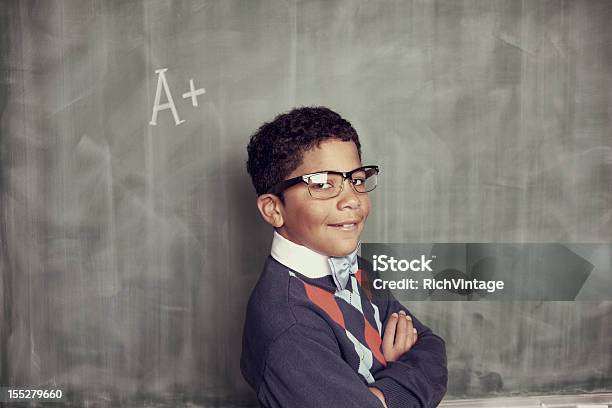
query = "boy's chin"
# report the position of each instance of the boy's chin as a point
(343, 250)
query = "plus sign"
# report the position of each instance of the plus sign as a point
(193, 94)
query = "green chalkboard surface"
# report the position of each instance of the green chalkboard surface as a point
(129, 236)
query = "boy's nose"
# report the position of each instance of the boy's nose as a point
(349, 197)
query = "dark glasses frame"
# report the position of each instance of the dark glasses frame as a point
(277, 189)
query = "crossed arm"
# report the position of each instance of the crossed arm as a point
(304, 368)
(418, 377)
(399, 336)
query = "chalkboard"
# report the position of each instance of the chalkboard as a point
(130, 239)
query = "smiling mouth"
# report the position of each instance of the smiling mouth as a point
(352, 226)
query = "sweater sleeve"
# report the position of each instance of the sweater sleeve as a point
(304, 368)
(419, 377)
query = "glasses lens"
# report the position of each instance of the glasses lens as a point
(365, 180)
(329, 185)
(324, 185)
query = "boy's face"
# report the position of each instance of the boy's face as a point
(315, 223)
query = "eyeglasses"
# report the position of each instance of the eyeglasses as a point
(329, 184)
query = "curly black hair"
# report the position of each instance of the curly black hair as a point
(277, 148)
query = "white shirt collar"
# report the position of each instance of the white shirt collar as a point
(301, 259)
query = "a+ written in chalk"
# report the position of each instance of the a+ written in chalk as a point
(162, 85)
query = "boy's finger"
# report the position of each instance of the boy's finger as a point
(409, 325)
(410, 337)
(401, 331)
(389, 336)
(409, 333)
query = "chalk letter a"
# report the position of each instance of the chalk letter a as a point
(161, 80)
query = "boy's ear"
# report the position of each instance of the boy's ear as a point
(270, 207)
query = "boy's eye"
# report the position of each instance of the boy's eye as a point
(321, 186)
(358, 182)
(321, 182)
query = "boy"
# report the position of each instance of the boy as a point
(314, 335)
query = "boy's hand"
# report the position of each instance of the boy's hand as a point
(379, 395)
(399, 336)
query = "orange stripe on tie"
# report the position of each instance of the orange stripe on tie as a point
(326, 301)
(374, 342)
(366, 289)
(358, 276)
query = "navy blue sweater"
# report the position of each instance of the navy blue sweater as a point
(306, 345)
